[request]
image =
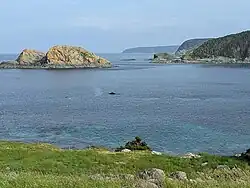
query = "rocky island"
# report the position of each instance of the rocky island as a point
(230, 49)
(58, 57)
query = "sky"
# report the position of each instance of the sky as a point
(110, 26)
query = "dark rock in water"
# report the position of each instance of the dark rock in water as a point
(132, 59)
(112, 93)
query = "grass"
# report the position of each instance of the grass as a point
(43, 165)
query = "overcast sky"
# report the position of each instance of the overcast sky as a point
(112, 25)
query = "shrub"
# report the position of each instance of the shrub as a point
(134, 145)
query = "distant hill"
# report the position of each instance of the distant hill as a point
(231, 46)
(190, 45)
(155, 49)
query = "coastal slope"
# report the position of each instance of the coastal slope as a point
(43, 165)
(155, 49)
(190, 45)
(236, 46)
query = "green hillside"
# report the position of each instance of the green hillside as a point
(231, 46)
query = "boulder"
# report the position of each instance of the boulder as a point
(156, 153)
(146, 184)
(74, 56)
(223, 167)
(152, 176)
(126, 150)
(182, 176)
(31, 57)
(204, 164)
(191, 156)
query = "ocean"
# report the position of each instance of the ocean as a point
(174, 108)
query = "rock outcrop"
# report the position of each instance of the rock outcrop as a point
(151, 178)
(74, 56)
(179, 175)
(57, 57)
(31, 57)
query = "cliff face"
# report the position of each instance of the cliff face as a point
(190, 45)
(235, 46)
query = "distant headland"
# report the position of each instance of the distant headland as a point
(154, 49)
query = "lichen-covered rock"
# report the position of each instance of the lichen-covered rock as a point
(153, 176)
(145, 184)
(178, 176)
(31, 57)
(74, 56)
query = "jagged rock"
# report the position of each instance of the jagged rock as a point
(31, 57)
(178, 175)
(152, 176)
(74, 56)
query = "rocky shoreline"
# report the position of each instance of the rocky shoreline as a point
(215, 61)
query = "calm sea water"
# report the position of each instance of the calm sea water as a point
(175, 108)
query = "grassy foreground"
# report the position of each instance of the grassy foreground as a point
(46, 166)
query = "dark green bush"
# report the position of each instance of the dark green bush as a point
(134, 145)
